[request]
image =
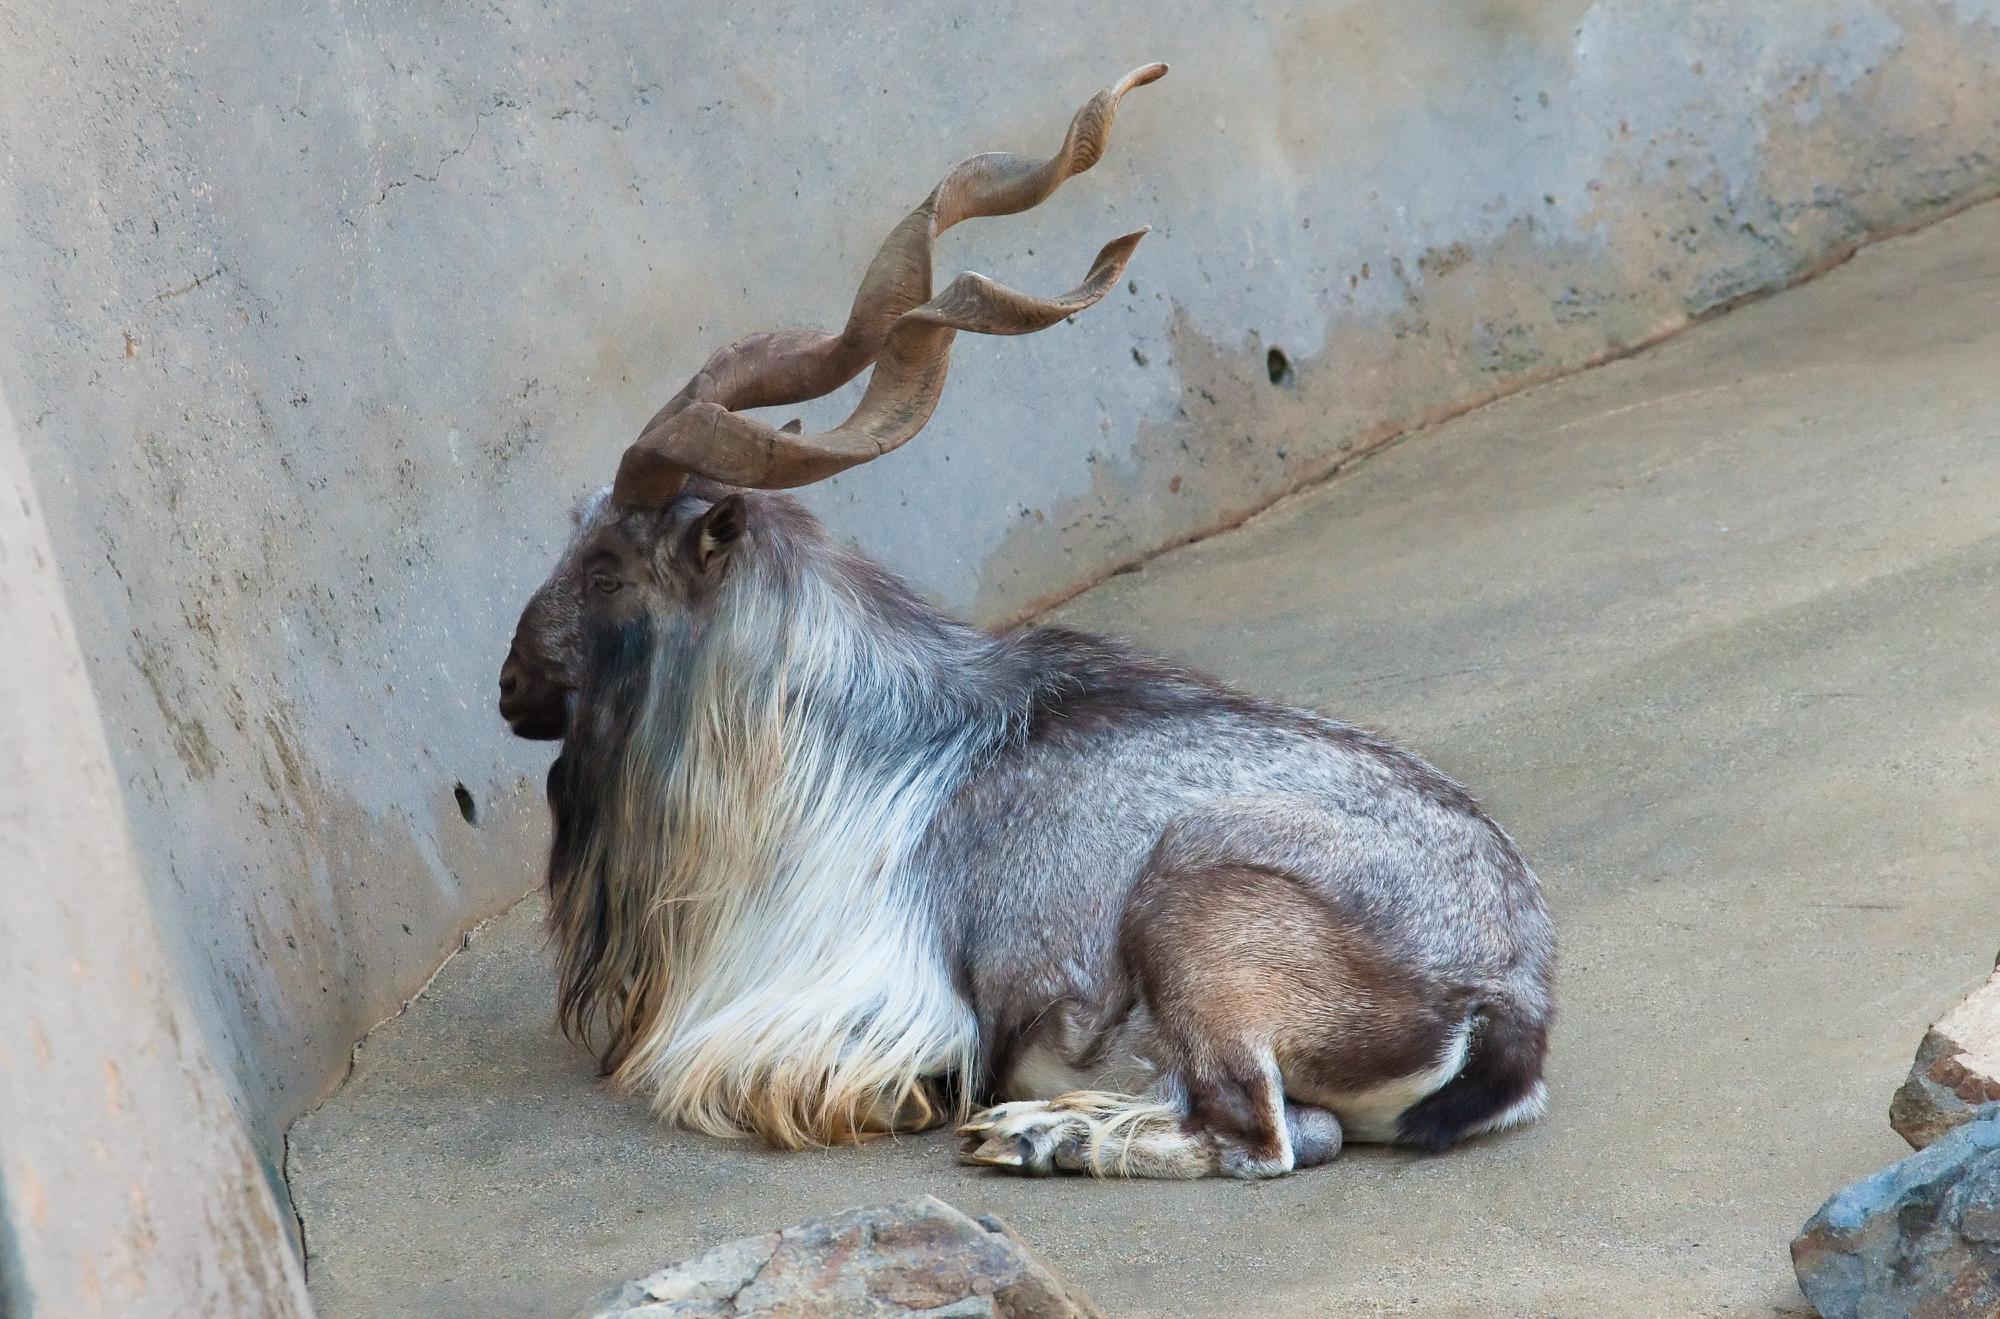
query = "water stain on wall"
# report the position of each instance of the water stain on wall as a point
(1667, 232)
(173, 699)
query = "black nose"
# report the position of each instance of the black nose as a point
(510, 672)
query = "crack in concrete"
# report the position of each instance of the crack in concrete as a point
(339, 1083)
(199, 280)
(437, 171)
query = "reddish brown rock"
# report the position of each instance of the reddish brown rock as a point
(1957, 1069)
(913, 1257)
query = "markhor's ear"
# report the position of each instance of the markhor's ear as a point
(719, 529)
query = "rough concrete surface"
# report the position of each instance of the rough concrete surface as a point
(315, 317)
(127, 1183)
(1710, 630)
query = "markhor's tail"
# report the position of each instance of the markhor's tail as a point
(1499, 1086)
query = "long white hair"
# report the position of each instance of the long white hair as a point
(740, 808)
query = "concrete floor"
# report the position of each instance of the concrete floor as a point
(1711, 630)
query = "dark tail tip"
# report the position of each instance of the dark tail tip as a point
(1503, 1071)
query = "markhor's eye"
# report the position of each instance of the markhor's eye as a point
(605, 582)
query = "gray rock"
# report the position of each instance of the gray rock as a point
(1957, 1068)
(1920, 1238)
(912, 1257)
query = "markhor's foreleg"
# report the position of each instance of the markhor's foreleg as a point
(1093, 1131)
(1113, 1135)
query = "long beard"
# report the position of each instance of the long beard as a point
(730, 889)
(605, 959)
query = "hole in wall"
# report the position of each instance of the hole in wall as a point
(466, 806)
(1278, 366)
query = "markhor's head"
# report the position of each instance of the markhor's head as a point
(662, 538)
(623, 565)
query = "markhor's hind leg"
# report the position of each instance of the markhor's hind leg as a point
(1267, 1006)
(1276, 1008)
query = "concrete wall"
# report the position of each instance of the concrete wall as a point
(127, 1183)
(316, 317)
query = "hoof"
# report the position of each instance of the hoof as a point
(998, 1152)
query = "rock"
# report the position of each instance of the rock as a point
(1920, 1238)
(913, 1257)
(1957, 1068)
